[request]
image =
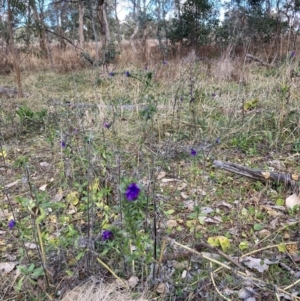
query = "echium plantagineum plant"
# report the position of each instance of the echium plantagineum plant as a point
(134, 208)
(131, 239)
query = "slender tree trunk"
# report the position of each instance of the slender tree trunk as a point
(28, 31)
(80, 20)
(136, 9)
(13, 50)
(94, 29)
(41, 31)
(118, 23)
(105, 32)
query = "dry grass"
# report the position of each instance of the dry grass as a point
(93, 290)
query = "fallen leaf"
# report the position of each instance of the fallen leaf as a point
(211, 220)
(161, 175)
(181, 186)
(6, 267)
(273, 223)
(161, 288)
(169, 180)
(271, 211)
(264, 233)
(247, 293)
(292, 201)
(206, 210)
(277, 164)
(223, 203)
(43, 187)
(184, 274)
(184, 195)
(266, 175)
(171, 224)
(44, 164)
(30, 245)
(58, 197)
(189, 205)
(258, 264)
(179, 265)
(4, 214)
(295, 177)
(12, 184)
(133, 281)
(291, 248)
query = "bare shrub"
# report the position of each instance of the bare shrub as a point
(223, 69)
(5, 66)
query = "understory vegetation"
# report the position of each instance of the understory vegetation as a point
(108, 181)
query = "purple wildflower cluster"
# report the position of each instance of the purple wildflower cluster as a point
(132, 192)
(193, 152)
(11, 224)
(107, 235)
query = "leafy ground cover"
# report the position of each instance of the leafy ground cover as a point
(109, 174)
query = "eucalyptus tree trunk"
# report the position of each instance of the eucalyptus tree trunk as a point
(105, 32)
(136, 10)
(41, 31)
(13, 49)
(80, 20)
(118, 23)
(94, 28)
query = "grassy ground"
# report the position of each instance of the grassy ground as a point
(71, 149)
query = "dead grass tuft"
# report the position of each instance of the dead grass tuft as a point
(94, 290)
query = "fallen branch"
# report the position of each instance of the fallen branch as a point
(288, 179)
(10, 93)
(129, 107)
(255, 58)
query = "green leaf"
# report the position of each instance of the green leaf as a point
(244, 212)
(224, 242)
(213, 241)
(169, 212)
(20, 283)
(281, 248)
(258, 227)
(30, 268)
(38, 272)
(280, 202)
(244, 245)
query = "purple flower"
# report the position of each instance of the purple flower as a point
(146, 67)
(193, 152)
(293, 53)
(63, 144)
(106, 125)
(132, 192)
(11, 223)
(214, 95)
(111, 74)
(107, 235)
(165, 62)
(127, 73)
(218, 140)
